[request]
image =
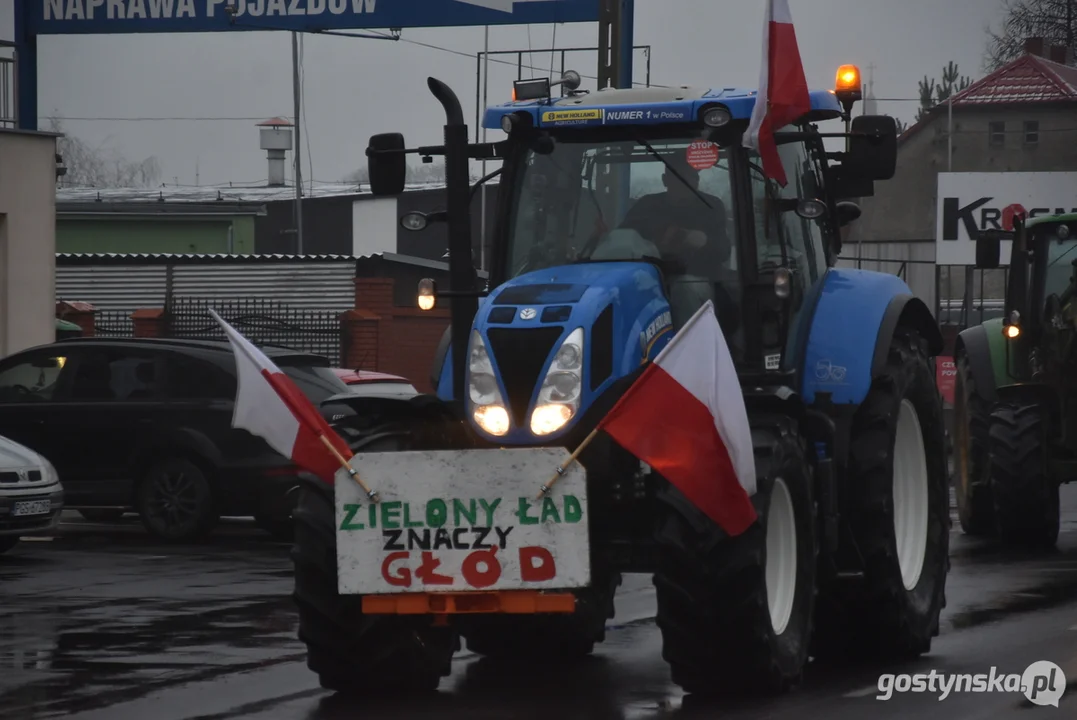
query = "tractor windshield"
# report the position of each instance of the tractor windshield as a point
(1060, 257)
(624, 199)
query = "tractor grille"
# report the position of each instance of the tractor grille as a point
(520, 356)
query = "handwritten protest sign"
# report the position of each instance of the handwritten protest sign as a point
(457, 521)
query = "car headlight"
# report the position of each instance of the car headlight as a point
(559, 397)
(487, 405)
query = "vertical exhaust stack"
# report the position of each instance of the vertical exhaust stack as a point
(276, 140)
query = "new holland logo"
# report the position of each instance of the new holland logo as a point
(528, 314)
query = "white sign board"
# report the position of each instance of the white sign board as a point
(972, 202)
(462, 521)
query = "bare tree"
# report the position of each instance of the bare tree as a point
(1053, 20)
(101, 166)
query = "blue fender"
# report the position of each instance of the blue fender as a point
(852, 329)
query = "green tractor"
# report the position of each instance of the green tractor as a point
(1015, 404)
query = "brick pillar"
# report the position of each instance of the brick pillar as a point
(361, 331)
(79, 313)
(148, 322)
(375, 296)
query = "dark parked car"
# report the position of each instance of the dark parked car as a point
(146, 425)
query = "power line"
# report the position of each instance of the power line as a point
(216, 118)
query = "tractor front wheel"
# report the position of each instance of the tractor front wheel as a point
(898, 507)
(736, 612)
(1027, 508)
(349, 651)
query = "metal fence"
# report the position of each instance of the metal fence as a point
(262, 321)
(113, 323)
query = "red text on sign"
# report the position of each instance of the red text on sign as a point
(480, 569)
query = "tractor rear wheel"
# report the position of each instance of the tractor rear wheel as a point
(352, 652)
(898, 507)
(553, 636)
(972, 474)
(1027, 506)
(736, 612)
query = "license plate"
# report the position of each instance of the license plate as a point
(31, 507)
(462, 521)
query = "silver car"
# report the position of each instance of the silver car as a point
(31, 496)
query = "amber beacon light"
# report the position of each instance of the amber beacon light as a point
(848, 80)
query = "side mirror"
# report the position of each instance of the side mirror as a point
(388, 168)
(872, 148)
(848, 213)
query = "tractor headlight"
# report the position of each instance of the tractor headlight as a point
(487, 405)
(559, 397)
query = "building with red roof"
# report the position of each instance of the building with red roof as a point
(1020, 118)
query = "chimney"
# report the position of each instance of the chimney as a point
(276, 137)
(1034, 46)
(1059, 54)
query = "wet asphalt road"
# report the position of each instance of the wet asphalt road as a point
(100, 623)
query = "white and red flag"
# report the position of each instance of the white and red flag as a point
(270, 405)
(783, 88)
(685, 417)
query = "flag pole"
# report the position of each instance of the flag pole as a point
(545, 490)
(372, 494)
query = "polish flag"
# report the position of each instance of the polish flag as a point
(783, 89)
(685, 417)
(270, 405)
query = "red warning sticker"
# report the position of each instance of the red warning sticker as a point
(702, 155)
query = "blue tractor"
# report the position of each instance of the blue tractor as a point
(619, 214)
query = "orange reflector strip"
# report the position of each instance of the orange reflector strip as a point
(519, 602)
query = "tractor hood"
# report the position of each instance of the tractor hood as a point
(524, 322)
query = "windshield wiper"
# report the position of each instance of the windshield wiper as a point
(673, 170)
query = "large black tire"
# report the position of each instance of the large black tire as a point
(713, 611)
(176, 501)
(876, 615)
(554, 636)
(349, 651)
(972, 473)
(1027, 508)
(7, 542)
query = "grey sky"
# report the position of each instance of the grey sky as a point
(358, 87)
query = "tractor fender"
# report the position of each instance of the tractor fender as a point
(852, 326)
(905, 311)
(976, 346)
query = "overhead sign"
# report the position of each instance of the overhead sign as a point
(462, 521)
(63, 17)
(969, 203)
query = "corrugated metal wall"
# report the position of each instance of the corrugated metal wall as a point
(311, 285)
(112, 287)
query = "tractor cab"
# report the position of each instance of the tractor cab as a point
(1041, 294)
(620, 213)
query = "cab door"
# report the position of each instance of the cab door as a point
(786, 240)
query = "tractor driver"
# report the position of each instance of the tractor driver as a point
(688, 227)
(679, 221)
